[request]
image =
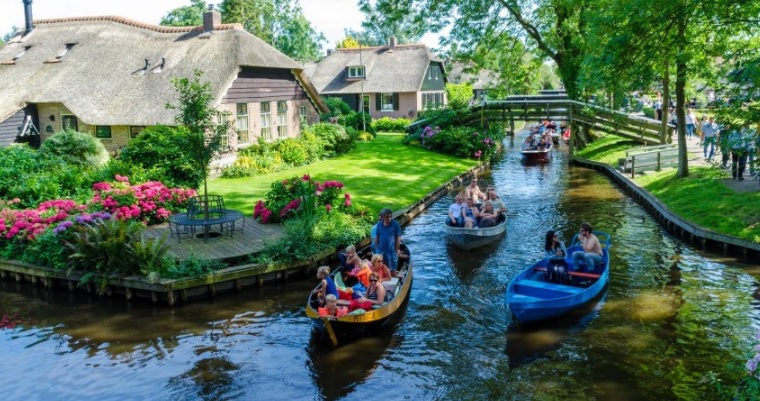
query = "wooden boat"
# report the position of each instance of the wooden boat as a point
(342, 330)
(537, 156)
(531, 297)
(566, 136)
(470, 238)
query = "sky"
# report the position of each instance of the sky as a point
(330, 17)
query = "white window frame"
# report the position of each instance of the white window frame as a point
(221, 120)
(356, 71)
(282, 119)
(385, 105)
(266, 120)
(303, 114)
(242, 123)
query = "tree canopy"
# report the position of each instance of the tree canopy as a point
(281, 23)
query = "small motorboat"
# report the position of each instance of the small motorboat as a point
(566, 136)
(470, 238)
(347, 328)
(537, 156)
(532, 297)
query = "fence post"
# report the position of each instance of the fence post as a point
(658, 161)
(633, 166)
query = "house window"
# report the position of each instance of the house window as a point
(365, 104)
(136, 130)
(266, 121)
(69, 122)
(103, 131)
(356, 72)
(225, 139)
(386, 102)
(432, 100)
(241, 123)
(303, 115)
(282, 119)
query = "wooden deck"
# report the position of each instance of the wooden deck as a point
(253, 238)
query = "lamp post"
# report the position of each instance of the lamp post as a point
(361, 99)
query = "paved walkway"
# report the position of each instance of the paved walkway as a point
(696, 158)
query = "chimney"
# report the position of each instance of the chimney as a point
(393, 42)
(28, 16)
(211, 18)
(329, 52)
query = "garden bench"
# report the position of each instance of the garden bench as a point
(205, 212)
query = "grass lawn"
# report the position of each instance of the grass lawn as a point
(377, 174)
(704, 200)
(700, 198)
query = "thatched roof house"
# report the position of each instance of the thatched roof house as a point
(112, 76)
(481, 79)
(395, 80)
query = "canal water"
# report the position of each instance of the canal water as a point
(670, 315)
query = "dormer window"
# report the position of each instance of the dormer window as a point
(65, 50)
(22, 52)
(356, 71)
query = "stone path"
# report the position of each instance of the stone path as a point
(696, 158)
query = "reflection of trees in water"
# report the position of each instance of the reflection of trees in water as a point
(337, 371)
(208, 379)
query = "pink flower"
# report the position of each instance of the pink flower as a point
(121, 178)
(347, 203)
(328, 207)
(347, 196)
(306, 177)
(478, 153)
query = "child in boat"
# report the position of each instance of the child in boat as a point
(326, 287)
(331, 309)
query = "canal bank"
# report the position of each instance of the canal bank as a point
(695, 235)
(235, 278)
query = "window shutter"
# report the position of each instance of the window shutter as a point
(395, 101)
(378, 99)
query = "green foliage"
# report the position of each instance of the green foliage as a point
(334, 138)
(365, 136)
(292, 151)
(135, 172)
(359, 121)
(337, 108)
(648, 111)
(387, 124)
(47, 250)
(150, 254)
(32, 178)
(459, 95)
(161, 153)
(347, 43)
(193, 267)
(76, 149)
(191, 15)
(464, 142)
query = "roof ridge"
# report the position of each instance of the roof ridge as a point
(134, 23)
(353, 49)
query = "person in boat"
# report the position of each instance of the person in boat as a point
(456, 215)
(529, 144)
(497, 203)
(555, 252)
(331, 310)
(373, 234)
(473, 191)
(488, 216)
(548, 137)
(592, 248)
(375, 295)
(471, 214)
(542, 145)
(388, 239)
(350, 261)
(326, 287)
(379, 268)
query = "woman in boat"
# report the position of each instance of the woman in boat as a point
(555, 251)
(529, 144)
(470, 214)
(488, 216)
(375, 295)
(497, 203)
(379, 268)
(327, 286)
(542, 145)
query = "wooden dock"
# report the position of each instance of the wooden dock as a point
(252, 238)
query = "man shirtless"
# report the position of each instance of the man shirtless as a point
(473, 192)
(592, 249)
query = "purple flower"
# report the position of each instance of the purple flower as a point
(62, 227)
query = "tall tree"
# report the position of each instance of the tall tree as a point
(191, 15)
(384, 19)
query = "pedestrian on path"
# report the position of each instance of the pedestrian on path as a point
(709, 132)
(691, 122)
(741, 144)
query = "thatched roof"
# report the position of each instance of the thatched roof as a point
(469, 72)
(388, 69)
(102, 78)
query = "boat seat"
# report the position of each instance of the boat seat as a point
(571, 273)
(544, 290)
(524, 298)
(391, 284)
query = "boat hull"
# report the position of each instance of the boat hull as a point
(536, 156)
(471, 238)
(531, 298)
(349, 328)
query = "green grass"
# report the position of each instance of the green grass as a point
(703, 199)
(377, 174)
(607, 149)
(700, 198)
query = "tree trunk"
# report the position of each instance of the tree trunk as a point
(665, 103)
(683, 161)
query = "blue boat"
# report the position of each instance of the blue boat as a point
(532, 297)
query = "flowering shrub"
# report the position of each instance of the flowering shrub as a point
(150, 202)
(749, 389)
(462, 141)
(29, 223)
(302, 196)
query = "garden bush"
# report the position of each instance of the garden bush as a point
(358, 121)
(162, 151)
(648, 111)
(333, 137)
(292, 151)
(337, 108)
(76, 149)
(461, 141)
(387, 124)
